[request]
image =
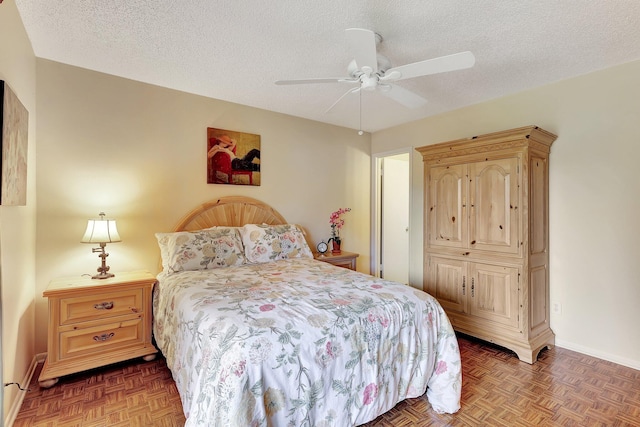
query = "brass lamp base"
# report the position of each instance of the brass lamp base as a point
(103, 270)
(103, 275)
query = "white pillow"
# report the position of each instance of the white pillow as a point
(216, 247)
(264, 243)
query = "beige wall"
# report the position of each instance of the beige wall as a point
(138, 152)
(17, 223)
(594, 203)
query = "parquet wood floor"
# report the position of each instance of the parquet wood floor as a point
(563, 388)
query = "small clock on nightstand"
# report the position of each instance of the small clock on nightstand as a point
(322, 248)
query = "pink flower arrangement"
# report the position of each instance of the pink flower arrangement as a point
(337, 222)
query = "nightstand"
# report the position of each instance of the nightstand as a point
(96, 322)
(343, 259)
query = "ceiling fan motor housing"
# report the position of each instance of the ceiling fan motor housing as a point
(368, 79)
(383, 65)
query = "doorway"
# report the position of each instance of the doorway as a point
(392, 212)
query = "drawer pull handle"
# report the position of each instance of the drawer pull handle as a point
(103, 337)
(103, 306)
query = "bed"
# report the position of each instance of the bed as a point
(258, 333)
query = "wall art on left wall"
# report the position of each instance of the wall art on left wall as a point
(14, 122)
(233, 157)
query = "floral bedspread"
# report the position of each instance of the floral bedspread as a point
(301, 342)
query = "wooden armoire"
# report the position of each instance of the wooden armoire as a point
(486, 236)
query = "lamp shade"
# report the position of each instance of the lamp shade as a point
(101, 230)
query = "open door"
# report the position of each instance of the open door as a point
(392, 208)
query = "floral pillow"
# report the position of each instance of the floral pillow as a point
(264, 243)
(201, 250)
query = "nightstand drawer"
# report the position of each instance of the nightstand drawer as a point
(343, 259)
(345, 264)
(100, 306)
(101, 339)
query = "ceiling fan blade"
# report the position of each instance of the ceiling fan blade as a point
(404, 96)
(355, 89)
(363, 47)
(318, 80)
(457, 61)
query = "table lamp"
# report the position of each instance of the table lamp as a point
(102, 231)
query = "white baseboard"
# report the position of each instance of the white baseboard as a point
(17, 403)
(635, 364)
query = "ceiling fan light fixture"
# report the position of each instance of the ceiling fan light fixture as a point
(368, 82)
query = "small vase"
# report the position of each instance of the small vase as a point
(335, 246)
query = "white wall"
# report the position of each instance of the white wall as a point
(594, 203)
(18, 223)
(138, 152)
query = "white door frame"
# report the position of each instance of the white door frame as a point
(375, 206)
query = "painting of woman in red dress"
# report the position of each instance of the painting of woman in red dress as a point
(232, 157)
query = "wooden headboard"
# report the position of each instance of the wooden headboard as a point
(234, 211)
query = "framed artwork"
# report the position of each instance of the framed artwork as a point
(233, 157)
(14, 122)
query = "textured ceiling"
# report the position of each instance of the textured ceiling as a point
(236, 50)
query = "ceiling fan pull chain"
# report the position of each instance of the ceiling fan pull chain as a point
(360, 108)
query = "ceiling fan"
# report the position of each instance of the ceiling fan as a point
(371, 71)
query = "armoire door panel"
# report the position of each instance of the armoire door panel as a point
(446, 207)
(446, 281)
(493, 200)
(494, 293)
